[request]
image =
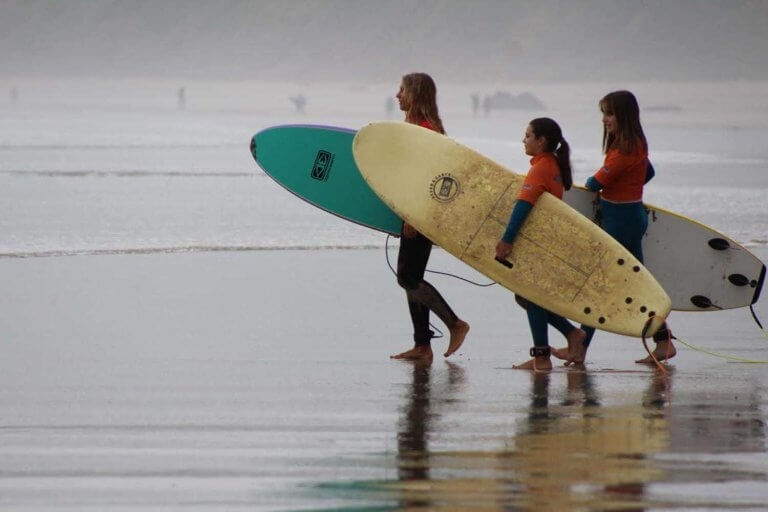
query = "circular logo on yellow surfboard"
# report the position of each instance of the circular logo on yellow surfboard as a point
(444, 187)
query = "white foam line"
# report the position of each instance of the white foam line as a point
(182, 249)
(129, 174)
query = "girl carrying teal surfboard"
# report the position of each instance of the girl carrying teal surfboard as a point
(418, 99)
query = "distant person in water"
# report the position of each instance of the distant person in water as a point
(181, 98)
(620, 183)
(299, 102)
(389, 106)
(418, 100)
(550, 172)
(486, 105)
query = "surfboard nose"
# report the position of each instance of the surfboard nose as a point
(253, 146)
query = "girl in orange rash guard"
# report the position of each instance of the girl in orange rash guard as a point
(418, 99)
(620, 181)
(550, 172)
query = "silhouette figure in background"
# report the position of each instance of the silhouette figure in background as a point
(475, 104)
(389, 106)
(486, 105)
(181, 98)
(299, 102)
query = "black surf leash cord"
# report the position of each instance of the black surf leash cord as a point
(389, 264)
(732, 359)
(386, 252)
(752, 310)
(706, 303)
(709, 304)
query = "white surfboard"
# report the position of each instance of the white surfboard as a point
(462, 201)
(700, 268)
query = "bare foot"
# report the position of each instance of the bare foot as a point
(664, 351)
(417, 353)
(458, 333)
(576, 349)
(537, 364)
(575, 352)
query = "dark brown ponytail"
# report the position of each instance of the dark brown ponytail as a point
(556, 143)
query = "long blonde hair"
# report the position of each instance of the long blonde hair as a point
(422, 93)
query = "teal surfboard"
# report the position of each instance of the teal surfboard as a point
(316, 164)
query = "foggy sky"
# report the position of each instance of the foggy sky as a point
(373, 40)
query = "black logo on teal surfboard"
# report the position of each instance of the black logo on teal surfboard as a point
(444, 187)
(322, 167)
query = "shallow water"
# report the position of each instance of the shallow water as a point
(107, 166)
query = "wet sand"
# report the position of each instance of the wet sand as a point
(261, 381)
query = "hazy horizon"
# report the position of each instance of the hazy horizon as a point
(343, 40)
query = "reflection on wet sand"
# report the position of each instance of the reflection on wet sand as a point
(569, 451)
(419, 413)
(579, 454)
(567, 455)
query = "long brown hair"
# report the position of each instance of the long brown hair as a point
(422, 93)
(556, 143)
(629, 132)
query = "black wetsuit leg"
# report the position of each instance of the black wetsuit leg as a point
(422, 296)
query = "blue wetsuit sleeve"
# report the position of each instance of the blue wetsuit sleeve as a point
(593, 185)
(519, 214)
(650, 172)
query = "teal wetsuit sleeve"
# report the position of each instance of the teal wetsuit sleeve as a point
(650, 172)
(593, 185)
(519, 214)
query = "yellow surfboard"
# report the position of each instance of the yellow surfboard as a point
(462, 201)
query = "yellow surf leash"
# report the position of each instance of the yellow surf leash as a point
(721, 356)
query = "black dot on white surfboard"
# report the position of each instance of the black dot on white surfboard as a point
(628, 300)
(636, 268)
(601, 320)
(719, 244)
(643, 309)
(587, 311)
(700, 301)
(621, 261)
(651, 314)
(738, 279)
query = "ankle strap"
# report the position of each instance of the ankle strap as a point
(540, 351)
(663, 334)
